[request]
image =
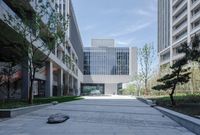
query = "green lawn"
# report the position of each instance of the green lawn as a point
(186, 104)
(20, 103)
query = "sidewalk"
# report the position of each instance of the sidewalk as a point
(109, 115)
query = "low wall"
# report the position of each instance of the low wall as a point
(8, 113)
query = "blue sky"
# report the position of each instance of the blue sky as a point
(129, 22)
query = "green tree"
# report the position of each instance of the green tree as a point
(138, 81)
(33, 30)
(130, 90)
(180, 73)
(6, 72)
(146, 57)
(193, 50)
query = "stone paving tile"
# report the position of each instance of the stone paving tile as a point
(95, 117)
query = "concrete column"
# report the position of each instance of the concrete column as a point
(67, 83)
(76, 87)
(64, 84)
(72, 85)
(49, 80)
(171, 37)
(60, 82)
(25, 81)
(79, 88)
(189, 21)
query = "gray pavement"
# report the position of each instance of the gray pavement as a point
(96, 116)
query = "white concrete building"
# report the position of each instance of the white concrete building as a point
(178, 21)
(107, 67)
(57, 77)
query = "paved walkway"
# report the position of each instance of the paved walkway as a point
(96, 116)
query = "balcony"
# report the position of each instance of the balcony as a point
(180, 18)
(162, 62)
(165, 57)
(177, 56)
(13, 37)
(195, 29)
(174, 2)
(195, 17)
(22, 8)
(195, 13)
(180, 39)
(195, 4)
(180, 28)
(180, 8)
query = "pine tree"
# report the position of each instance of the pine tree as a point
(179, 74)
(180, 71)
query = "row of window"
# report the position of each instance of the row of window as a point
(106, 61)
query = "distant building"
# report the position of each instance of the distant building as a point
(107, 67)
(178, 22)
(103, 42)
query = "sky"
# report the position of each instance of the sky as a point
(128, 22)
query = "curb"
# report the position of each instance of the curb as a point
(148, 102)
(9, 113)
(190, 123)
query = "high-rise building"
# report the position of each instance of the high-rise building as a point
(107, 67)
(57, 77)
(178, 21)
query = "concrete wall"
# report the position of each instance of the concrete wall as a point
(106, 78)
(110, 89)
(103, 43)
(133, 61)
(110, 81)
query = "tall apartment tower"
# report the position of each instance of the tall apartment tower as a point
(178, 21)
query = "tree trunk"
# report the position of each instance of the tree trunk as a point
(30, 99)
(172, 97)
(146, 87)
(8, 83)
(32, 78)
(192, 81)
(8, 88)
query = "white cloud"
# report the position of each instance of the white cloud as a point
(88, 27)
(144, 13)
(125, 42)
(110, 11)
(130, 29)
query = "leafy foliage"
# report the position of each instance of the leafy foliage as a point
(130, 90)
(146, 57)
(40, 37)
(7, 70)
(180, 73)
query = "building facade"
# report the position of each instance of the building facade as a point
(178, 22)
(58, 77)
(107, 67)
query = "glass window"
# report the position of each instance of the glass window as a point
(106, 61)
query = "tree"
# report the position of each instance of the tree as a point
(138, 83)
(193, 50)
(130, 90)
(180, 73)
(193, 57)
(146, 57)
(6, 72)
(32, 29)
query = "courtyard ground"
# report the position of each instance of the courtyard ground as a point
(109, 115)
